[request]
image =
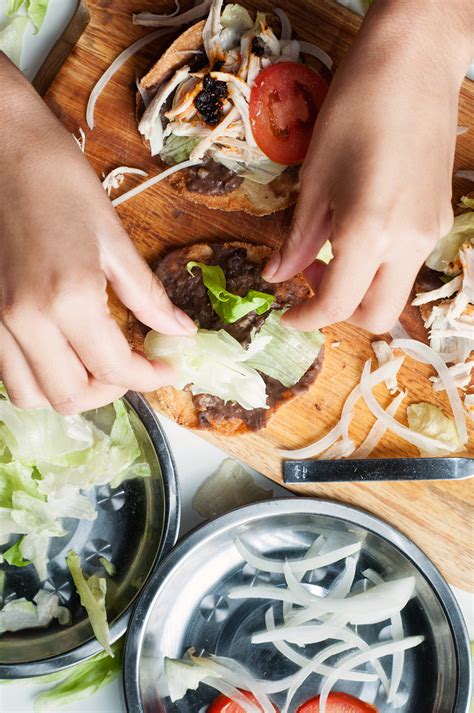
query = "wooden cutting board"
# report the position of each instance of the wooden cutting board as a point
(437, 516)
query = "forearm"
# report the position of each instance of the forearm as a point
(440, 32)
(25, 120)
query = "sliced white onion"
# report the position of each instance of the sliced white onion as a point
(297, 566)
(115, 178)
(329, 651)
(375, 652)
(465, 174)
(384, 354)
(397, 634)
(232, 693)
(424, 443)
(301, 661)
(460, 373)
(146, 98)
(285, 24)
(151, 19)
(462, 130)
(342, 428)
(378, 430)
(115, 66)
(152, 181)
(398, 331)
(370, 607)
(315, 51)
(469, 405)
(427, 354)
(343, 584)
(80, 140)
(446, 290)
(341, 449)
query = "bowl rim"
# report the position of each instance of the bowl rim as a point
(297, 505)
(172, 516)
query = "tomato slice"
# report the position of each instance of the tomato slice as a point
(337, 703)
(284, 103)
(222, 704)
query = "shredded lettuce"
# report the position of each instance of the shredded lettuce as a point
(18, 614)
(429, 420)
(289, 353)
(48, 464)
(467, 202)
(447, 249)
(81, 681)
(325, 254)
(237, 18)
(178, 148)
(92, 592)
(11, 38)
(263, 171)
(228, 306)
(14, 556)
(212, 363)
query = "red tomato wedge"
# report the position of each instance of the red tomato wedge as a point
(222, 704)
(284, 103)
(338, 703)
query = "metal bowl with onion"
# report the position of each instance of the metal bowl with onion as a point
(186, 604)
(136, 526)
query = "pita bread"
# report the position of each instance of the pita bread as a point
(249, 197)
(180, 405)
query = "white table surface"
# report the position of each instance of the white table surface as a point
(195, 458)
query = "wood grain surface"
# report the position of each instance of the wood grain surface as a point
(437, 516)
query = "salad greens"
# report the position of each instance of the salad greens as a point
(228, 306)
(447, 249)
(14, 557)
(35, 10)
(289, 353)
(92, 591)
(11, 38)
(177, 148)
(213, 362)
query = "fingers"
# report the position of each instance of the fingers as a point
(16, 374)
(55, 367)
(386, 297)
(342, 285)
(140, 290)
(310, 229)
(106, 354)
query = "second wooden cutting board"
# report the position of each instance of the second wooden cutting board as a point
(437, 516)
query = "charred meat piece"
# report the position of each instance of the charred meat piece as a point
(208, 100)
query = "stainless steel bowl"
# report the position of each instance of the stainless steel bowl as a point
(185, 604)
(137, 525)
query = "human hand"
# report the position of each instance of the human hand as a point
(377, 177)
(61, 242)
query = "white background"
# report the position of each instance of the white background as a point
(195, 459)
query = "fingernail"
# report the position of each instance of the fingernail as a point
(272, 266)
(185, 321)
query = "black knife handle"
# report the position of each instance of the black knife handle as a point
(377, 470)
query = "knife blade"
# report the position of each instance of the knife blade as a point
(377, 470)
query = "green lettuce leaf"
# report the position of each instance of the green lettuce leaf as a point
(228, 306)
(11, 38)
(178, 148)
(288, 353)
(263, 171)
(447, 249)
(467, 202)
(14, 557)
(81, 681)
(213, 362)
(92, 592)
(13, 7)
(37, 12)
(236, 18)
(429, 420)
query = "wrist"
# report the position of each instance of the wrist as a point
(442, 31)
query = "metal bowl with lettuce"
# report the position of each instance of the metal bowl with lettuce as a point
(88, 506)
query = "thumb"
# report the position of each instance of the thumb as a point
(139, 289)
(310, 229)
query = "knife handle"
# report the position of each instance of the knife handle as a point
(377, 470)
